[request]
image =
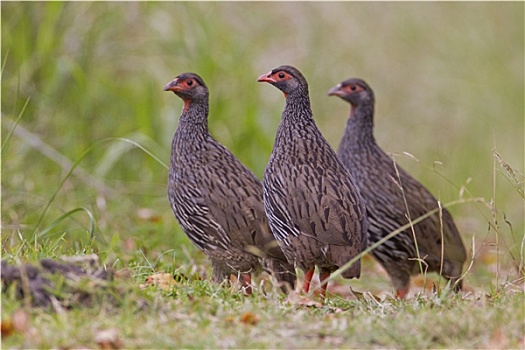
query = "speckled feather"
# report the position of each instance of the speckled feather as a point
(380, 185)
(315, 211)
(218, 201)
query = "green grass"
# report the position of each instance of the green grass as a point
(78, 78)
(197, 314)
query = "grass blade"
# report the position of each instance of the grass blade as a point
(74, 166)
(399, 230)
(65, 216)
(116, 150)
(138, 145)
(13, 126)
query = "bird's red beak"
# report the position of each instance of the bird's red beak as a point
(335, 91)
(266, 78)
(173, 86)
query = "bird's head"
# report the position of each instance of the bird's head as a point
(355, 91)
(288, 79)
(188, 86)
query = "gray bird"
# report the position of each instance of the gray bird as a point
(315, 210)
(440, 245)
(216, 199)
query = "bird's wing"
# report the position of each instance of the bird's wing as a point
(321, 205)
(195, 218)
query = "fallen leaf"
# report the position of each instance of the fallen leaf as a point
(249, 318)
(108, 339)
(298, 299)
(20, 321)
(129, 244)
(358, 295)
(229, 319)
(124, 274)
(332, 340)
(160, 280)
(147, 214)
(498, 340)
(365, 295)
(377, 298)
(521, 342)
(7, 327)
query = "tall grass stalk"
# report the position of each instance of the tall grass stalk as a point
(13, 126)
(346, 266)
(495, 216)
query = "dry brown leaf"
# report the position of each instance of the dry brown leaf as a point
(336, 288)
(365, 295)
(229, 320)
(20, 321)
(377, 298)
(298, 299)
(147, 214)
(498, 340)
(249, 318)
(124, 274)
(160, 280)
(129, 244)
(358, 295)
(108, 339)
(332, 340)
(521, 342)
(7, 327)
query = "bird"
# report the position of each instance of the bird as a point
(315, 211)
(393, 197)
(217, 200)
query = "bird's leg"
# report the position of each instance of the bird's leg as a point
(459, 285)
(324, 276)
(247, 283)
(308, 279)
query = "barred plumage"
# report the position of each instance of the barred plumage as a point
(216, 199)
(375, 174)
(314, 209)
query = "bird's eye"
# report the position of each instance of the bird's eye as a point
(353, 87)
(281, 75)
(189, 82)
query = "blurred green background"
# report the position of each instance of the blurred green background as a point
(448, 79)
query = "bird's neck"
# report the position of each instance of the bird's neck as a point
(297, 110)
(193, 125)
(194, 116)
(360, 126)
(297, 132)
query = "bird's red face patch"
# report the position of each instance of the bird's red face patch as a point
(188, 83)
(281, 76)
(275, 77)
(352, 88)
(179, 85)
